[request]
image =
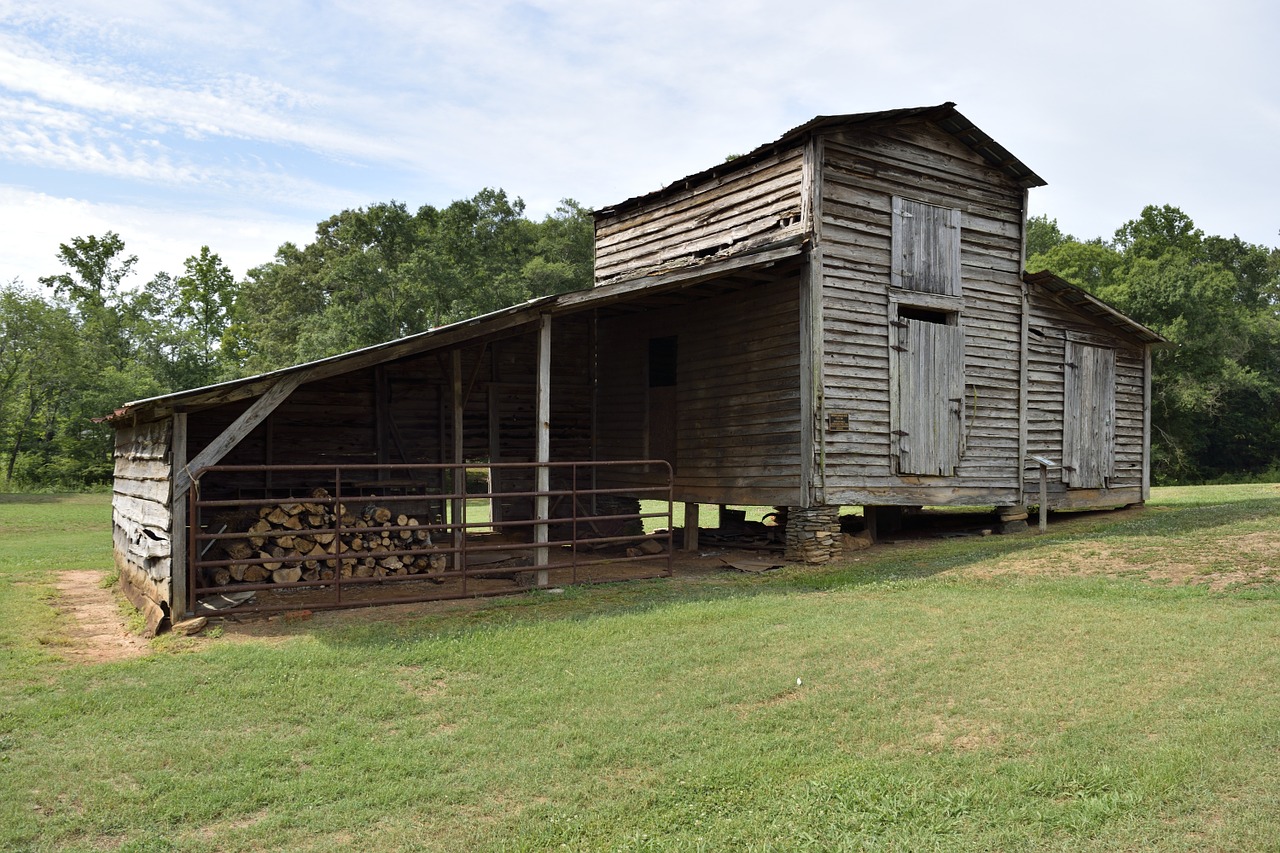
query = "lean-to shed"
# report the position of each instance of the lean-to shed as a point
(838, 317)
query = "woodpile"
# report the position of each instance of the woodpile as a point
(302, 541)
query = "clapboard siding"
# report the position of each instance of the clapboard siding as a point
(736, 212)
(737, 397)
(861, 174)
(1051, 325)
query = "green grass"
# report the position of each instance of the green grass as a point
(912, 698)
(41, 534)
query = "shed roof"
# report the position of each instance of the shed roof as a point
(1090, 305)
(636, 290)
(945, 116)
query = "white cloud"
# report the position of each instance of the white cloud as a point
(34, 224)
(305, 108)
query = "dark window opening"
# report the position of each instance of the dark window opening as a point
(662, 362)
(926, 315)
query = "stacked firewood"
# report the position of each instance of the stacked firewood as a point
(297, 541)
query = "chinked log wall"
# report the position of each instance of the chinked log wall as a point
(860, 174)
(141, 522)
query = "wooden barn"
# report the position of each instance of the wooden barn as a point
(839, 317)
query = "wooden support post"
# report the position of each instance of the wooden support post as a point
(691, 513)
(178, 588)
(721, 515)
(542, 503)
(458, 508)
(1044, 498)
(1044, 489)
(382, 429)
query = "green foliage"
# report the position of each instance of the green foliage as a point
(371, 275)
(379, 273)
(1216, 392)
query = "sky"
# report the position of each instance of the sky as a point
(240, 125)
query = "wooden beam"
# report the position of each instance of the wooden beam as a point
(1024, 357)
(691, 516)
(812, 350)
(543, 447)
(241, 427)
(179, 519)
(459, 509)
(381, 417)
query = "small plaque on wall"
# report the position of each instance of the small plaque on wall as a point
(838, 422)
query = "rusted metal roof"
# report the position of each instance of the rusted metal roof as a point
(945, 116)
(1086, 303)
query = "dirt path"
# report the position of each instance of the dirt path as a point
(96, 630)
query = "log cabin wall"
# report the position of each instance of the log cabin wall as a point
(730, 423)
(141, 522)
(861, 173)
(1056, 334)
(719, 216)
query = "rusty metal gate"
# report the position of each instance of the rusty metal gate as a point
(291, 537)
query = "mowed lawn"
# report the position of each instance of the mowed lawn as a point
(1114, 685)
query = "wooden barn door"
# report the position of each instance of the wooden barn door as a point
(1088, 416)
(930, 398)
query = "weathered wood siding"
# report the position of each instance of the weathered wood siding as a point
(737, 397)
(1053, 328)
(739, 211)
(140, 518)
(861, 173)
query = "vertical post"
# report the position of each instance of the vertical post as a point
(691, 514)
(459, 469)
(1044, 498)
(812, 348)
(542, 479)
(382, 417)
(178, 587)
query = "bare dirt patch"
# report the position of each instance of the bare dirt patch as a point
(96, 629)
(1247, 560)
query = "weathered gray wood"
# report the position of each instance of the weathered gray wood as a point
(177, 509)
(762, 198)
(930, 396)
(543, 453)
(1088, 440)
(691, 515)
(145, 513)
(926, 247)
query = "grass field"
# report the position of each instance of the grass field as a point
(1109, 686)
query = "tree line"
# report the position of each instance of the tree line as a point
(1215, 408)
(93, 338)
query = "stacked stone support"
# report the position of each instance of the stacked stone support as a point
(813, 534)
